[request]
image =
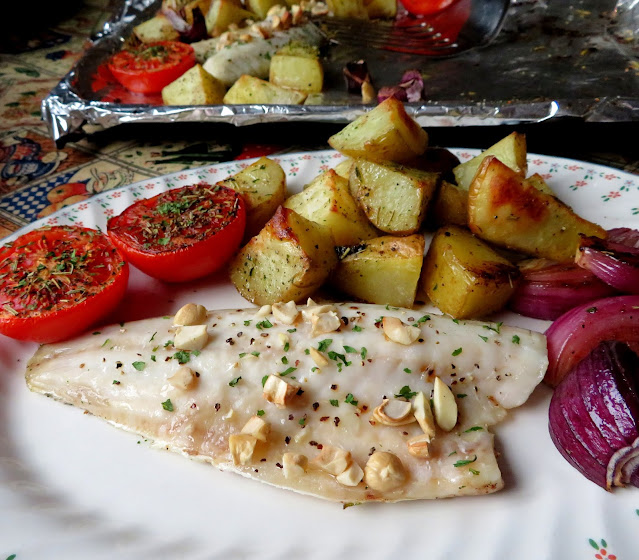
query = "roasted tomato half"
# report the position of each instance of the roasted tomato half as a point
(57, 281)
(181, 234)
(151, 66)
(426, 7)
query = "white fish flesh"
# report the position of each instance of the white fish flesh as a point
(197, 402)
(253, 57)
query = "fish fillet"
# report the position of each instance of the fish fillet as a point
(197, 402)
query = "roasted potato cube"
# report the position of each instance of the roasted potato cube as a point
(195, 87)
(223, 13)
(261, 7)
(288, 260)
(343, 168)
(510, 150)
(327, 201)
(450, 206)
(383, 270)
(504, 210)
(381, 8)
(297, 66)
(253, 91)
(394, 197)
(157, 28)
(464, 276)
(539, 183)
(348, 8)
(263, 187)
(385, 133)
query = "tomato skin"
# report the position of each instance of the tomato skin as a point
(426, 7)
(200, 255)
(141, 71)
(61, 320)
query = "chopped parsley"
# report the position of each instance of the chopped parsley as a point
(406, 393)
(484, 338)
(474, 429)
(116, 382)
(260, 412)
(464, 462)
(265, 324)
(182, 356)
(496, 328)
(264, 380)
(324, 344)
(287, 371)
(516, 339)
(139, 365)
(350, 350)
(457, 352)
(235, 381)
(167, 405)
(350, 399)
(408, 370)
(357, 328)
(334, 402)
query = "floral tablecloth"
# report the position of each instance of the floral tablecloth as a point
(38, 178)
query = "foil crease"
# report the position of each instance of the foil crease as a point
(551, 60)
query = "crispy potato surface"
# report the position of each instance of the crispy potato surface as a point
(297, 66)
(327, 201)
(385, 133)
(464, 277)
(382, 270)
(263, 187)
(250, 91)
(195, 87)
(288, 260)
(506, 210)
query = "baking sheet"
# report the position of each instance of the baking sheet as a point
(551, 59)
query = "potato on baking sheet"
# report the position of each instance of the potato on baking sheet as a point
(261, 7)
(464, 277)
(348, 8)
(385, 133)
(254, 91)
(510, 150)
(394, 197)
(382, 270)
(195, 87)
(506, 210)
(289, 259)
(450, 206)
(381, 8)
(263, 187)
(223, 13)
(343, 168)
(327, 201)
(297, 66)
(158, 28)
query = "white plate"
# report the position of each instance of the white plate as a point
(72, 486)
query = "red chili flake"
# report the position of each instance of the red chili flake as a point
(324, 418)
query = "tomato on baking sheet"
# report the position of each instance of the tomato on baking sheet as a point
(426, 7)
(149, 67)
(181, 234)
(57, 281)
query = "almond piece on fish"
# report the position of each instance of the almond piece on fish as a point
(190, 314)
(191, 337)
(398, 332)
(444, 406)
(394, 412)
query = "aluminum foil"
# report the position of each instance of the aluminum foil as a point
(550, 60)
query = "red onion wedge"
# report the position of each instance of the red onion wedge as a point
(548, 289)
(573, 335)
(615, 260)
(594, 416)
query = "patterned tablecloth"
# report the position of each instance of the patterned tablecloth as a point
(37, 177)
